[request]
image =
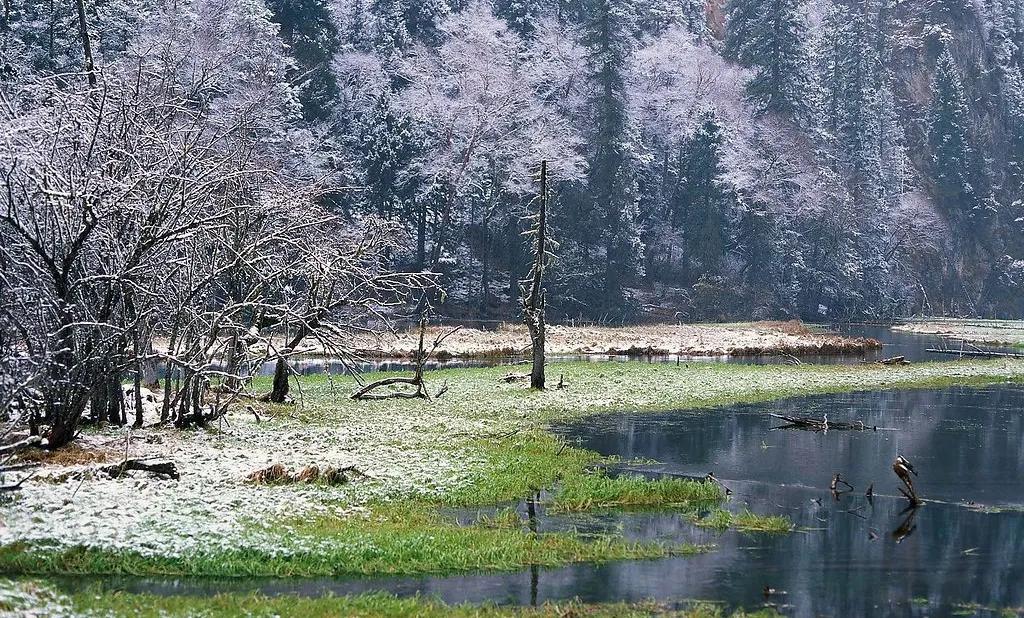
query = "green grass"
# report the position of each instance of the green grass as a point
(771, 524)
(99, 600)
(518, 466)
(397, 539)
(378, 605)
(721, 519)
(595, 388)
(597, 491)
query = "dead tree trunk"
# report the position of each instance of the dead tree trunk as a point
(533, 297)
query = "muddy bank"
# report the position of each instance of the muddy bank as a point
(742, 339)
(981, 332)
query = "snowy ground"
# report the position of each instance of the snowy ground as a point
(212, 506)
(661, 339)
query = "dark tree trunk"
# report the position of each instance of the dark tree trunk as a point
(279, 392)
(421, 236)
(83, 30)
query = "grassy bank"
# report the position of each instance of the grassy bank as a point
(484, 443)
(96, 600)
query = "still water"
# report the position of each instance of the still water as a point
(850, 556)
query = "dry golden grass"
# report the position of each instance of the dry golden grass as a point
(754, 338)
(70, 455)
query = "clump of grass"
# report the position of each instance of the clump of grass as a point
(596, 490)
(505, 518)
(519, 466)
(721, 519)
(70, 455)
(772, 524)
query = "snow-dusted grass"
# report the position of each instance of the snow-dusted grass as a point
(484, 442)
(409, 540)
(94, 600)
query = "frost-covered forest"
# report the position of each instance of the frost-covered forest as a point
(741, 159)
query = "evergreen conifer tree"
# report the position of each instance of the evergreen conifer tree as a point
(612, 180)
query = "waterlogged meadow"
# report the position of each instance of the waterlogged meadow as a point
(484, 444)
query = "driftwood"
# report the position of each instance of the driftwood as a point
(166, 468)
(7, 454)
(21, 445)
(895, 360)
(820, 424)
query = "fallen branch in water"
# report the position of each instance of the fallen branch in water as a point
(820, 424)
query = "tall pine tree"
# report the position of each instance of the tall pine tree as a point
(770, 36)
(612, 156)
(954, 164)
(703, 197)
(308, 28)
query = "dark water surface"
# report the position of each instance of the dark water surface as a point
(851, 556)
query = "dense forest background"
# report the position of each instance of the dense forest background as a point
(753, 158)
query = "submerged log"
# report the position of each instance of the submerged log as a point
(820, 424)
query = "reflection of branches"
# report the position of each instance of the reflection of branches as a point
(907, 526)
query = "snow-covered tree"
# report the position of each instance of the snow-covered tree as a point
(954, 163)
(309, 30)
